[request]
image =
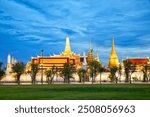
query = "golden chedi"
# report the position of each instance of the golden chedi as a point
(67, 51)
(90, 56)
(113, 60)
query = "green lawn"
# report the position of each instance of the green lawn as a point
(76, 92)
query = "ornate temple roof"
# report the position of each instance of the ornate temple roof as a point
(138, 61)
(67, 51)
(90, 56)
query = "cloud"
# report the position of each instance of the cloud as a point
(68, 31)
(34, 24)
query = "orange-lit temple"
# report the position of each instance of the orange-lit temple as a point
(59, 60)
(77, 61)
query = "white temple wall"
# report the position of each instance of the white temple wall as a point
(104, 77)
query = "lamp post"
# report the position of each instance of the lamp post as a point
(42, 51)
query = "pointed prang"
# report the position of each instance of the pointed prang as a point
(8, 68)
(97, 56)
(84, 66)
(84, 60)
(9, 59)
(12, 61)
(67, 47)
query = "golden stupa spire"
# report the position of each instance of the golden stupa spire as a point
(67, 47)
(113, 51)
(90, 56)
(113, 60)
(67, 51)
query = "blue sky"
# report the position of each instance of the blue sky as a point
(26, 26)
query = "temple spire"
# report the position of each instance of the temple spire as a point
(84, 66)
(113, 60)
(90, 56)
(67, 47)
(9, 59)
(113, 51)
(67, 51)
(9, 65)
(97, 56)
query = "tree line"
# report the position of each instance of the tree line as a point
(94, 68)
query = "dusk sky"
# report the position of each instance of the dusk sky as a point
(27, 26)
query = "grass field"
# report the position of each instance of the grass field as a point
(76, 92)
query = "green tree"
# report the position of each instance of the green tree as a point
(93, 67)
(101, 69)
(67, 72)
(120, 72)
(34, 71)
(132, 70)
(50, 73)
(129, 70)
(113, 76)
(82, 74)
(149, 75)
(18, 68)
(145, 71)
(2, 72)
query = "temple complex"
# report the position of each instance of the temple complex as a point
(67, 56)
(77, 61)
(113, 60)
(59, 60)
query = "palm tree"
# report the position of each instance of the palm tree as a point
(18, 68)
(82, 74)
(120, 72)
(50, 73)
(132, 70)
(67, 72)
(34, 71)
(129, 70)
(2, 72)
(145, 72)
(93, 69)
(113, 71)
(101, 69)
